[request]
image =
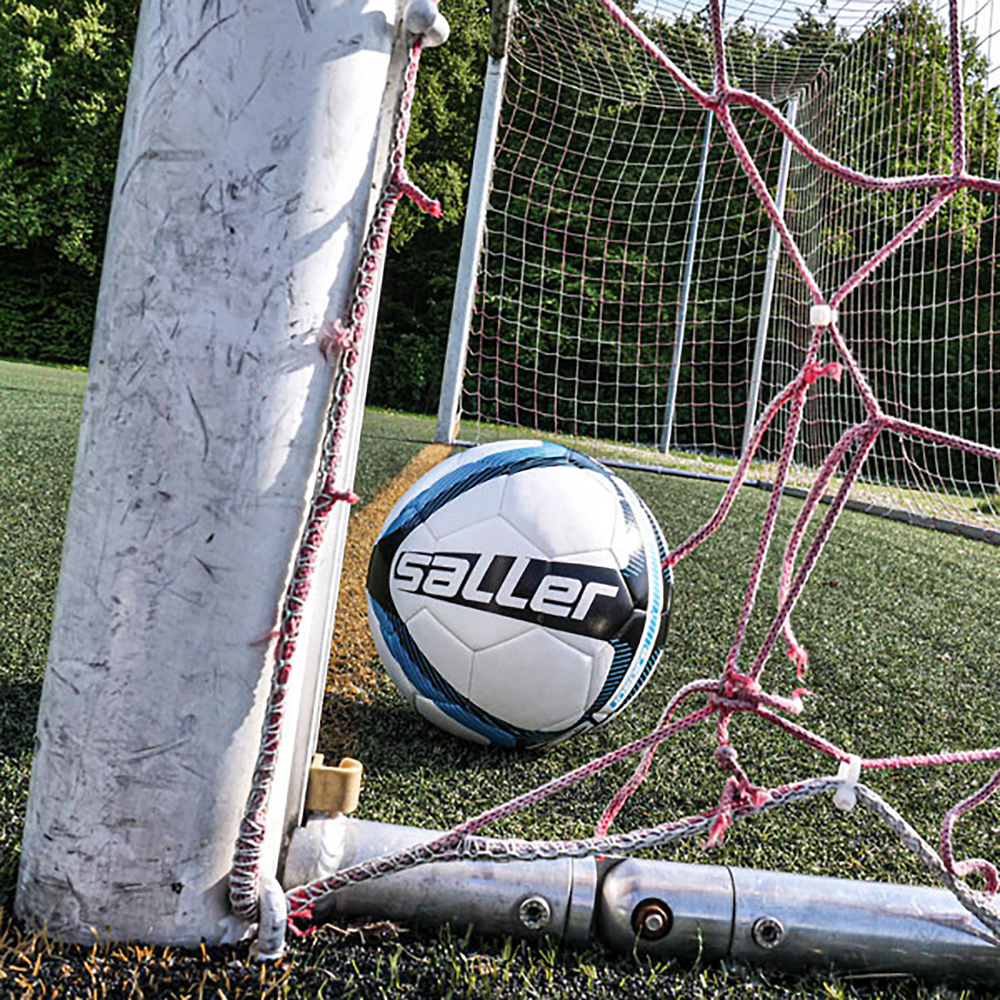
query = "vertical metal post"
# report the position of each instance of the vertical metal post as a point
(682, 306)
(475, 224)
(317, 631)
(234, 235)
(773, 253)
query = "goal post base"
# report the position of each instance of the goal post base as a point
(664, 909)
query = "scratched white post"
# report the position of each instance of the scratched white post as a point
(245, 179)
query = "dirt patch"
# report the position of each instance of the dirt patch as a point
(355, 674)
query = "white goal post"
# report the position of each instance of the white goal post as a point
(253, 149)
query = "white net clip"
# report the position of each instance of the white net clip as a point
(822, 315)
(273, 920)
(846, 795)
(424, 18)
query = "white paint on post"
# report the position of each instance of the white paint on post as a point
(472, 245)
(244, 185)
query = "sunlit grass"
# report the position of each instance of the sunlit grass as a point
(901, 625)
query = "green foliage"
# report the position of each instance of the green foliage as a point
(64, 68)
(415, 304)
(46, 307)
(445, 117)
(414, 313)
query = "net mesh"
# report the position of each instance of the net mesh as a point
(878, 242)
(583, 325)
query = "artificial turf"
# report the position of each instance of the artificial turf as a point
(900, 622)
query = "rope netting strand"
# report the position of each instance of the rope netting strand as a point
(632, 294)
(734, 692)
(738, 788)
(343, 339)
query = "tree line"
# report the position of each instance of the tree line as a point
(64, 67)
(64, 70)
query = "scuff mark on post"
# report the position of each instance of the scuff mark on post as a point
(235, 116)
(55, 673)
(167, 155)
(201, 38)
(305, 10)
(201, 419)
(204, 205)
(156, 750)
(263, 308)
(183, 528)
(205, 566)
(259, 175)
(163, 68)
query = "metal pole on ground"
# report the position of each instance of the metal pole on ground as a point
(767, 297)
(245, 181)
(475, 225)
(667, 910)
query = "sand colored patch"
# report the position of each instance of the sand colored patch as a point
(354, 673)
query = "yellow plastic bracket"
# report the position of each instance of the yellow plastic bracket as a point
(333, 789)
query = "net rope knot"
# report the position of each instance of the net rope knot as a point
(336, 335)
(738, 793)
(738, 690)
(814, 371)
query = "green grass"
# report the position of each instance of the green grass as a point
(954, 502)
(901, 625)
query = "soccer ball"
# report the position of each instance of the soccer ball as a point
(517, 594)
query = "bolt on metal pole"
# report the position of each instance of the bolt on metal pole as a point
(773, 253)
(682, 306)
(475, 225)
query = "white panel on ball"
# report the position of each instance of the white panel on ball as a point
(479, 629)
(449, 654)
(468, 510)
(562, 511)
(502, 535)
(532, 682)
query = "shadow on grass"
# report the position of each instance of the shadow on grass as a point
(19, 701)
(387, 734)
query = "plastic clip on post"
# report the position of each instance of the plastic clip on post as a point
(846, 794)
(423, 18)
(822, 315)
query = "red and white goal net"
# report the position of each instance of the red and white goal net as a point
(623, 288)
